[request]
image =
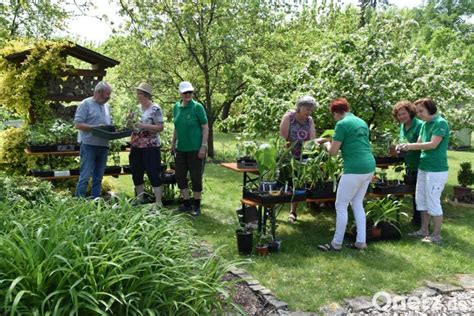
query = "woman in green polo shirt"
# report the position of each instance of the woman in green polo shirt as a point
(190, 145)
(405, 112)
(432, 170)
(351, 135)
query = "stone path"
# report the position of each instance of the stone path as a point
(433, 298)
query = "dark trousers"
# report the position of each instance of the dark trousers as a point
(416, 215)
(189, 162)
(145, 159)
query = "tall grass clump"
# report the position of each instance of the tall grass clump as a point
(95, 258)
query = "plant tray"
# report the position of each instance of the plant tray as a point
(323, 191)
(265, 198)
(42, 173)
(246, 163)
(67, 147)
(394, 189)
(109, 132)
(388, 160)
(41, 148)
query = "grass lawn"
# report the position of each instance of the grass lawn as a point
(306, 278)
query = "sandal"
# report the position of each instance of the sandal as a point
(418, 233)
(432, 239)
(292, 218)
(328, 247)
(356, 247)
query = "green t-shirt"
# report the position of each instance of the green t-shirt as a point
(187, 124)
(353, 133)
(435, 160)
(412, 158)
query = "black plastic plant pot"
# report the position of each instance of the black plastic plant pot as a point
(274, 245)
(74, 172)
(168, 178)
(246, 162)
(42, 173)
(127, 169)
(244, 241)
(322, 191)
(41, 148)
(113, 169)
(389, 231)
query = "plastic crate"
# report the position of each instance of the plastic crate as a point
(109, 132)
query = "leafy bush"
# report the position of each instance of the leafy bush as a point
(96, 258)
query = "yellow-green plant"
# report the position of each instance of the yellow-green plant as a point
(23, 85)
(13, 158)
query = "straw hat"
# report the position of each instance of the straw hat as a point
(146, 88)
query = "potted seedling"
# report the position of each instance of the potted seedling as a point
(465, 179)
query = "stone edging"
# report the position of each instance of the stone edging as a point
(363, 304)
(262, 292)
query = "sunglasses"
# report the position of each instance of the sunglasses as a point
(188, 92)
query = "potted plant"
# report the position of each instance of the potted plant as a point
(465, 179)
(262, 245)
(270, 158)
(274, 245)
(244, 238)
(383, 218)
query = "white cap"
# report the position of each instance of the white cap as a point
(185, 87)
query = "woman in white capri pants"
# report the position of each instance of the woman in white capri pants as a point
(352, 137)
(432, 170)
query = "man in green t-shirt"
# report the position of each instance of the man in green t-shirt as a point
(432, 170)
(190, 145)
(405, 112)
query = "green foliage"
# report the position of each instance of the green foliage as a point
(43, 60)
(13, 158)
(52, 132)
(386, 209)
(465, 174)
(25, 191)
(104, 258)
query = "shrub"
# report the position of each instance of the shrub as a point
(465, 174)
(95, 258)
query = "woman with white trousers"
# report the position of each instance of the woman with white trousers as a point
(351, 136)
